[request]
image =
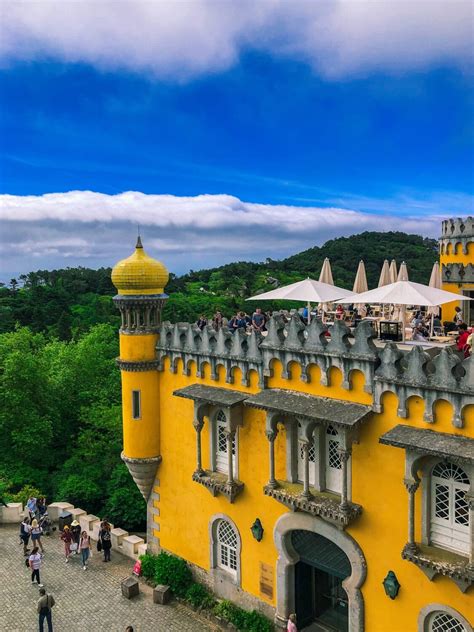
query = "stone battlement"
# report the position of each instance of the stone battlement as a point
(440, 374)
(457, 227)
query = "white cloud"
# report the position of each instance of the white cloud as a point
(183, 39)
(94, 229)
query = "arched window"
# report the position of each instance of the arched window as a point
(222, 456)
(449, 526)
(444, 622)
(333, 460)
(225, 549)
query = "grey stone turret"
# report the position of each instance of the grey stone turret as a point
(441, 376)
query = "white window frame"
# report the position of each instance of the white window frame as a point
(333, 475)
(221, 571)
(447, 533)
(429, 613)
(138, 393)
(314, 450)
(219, 458)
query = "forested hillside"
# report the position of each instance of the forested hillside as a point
(60, 426)
(66, 303)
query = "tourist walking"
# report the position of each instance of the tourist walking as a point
(66, 537)
(34, 561)
(85, 548)
(25, 531)
(45, 603)
(36, 532)
(105, 539)
(76, 536)
(291, 625)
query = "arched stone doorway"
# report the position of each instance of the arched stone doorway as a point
(291, 553)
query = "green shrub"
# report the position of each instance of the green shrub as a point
(174, 572)
(257, 622)
(243, 620)
(24, 493)
(148, 565)
(199, 597)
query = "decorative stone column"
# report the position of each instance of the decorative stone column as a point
(198, 426)
(306, 493)
(271, 436)
(470, 502)
(411, 486)
(230, 434)
(344, 455)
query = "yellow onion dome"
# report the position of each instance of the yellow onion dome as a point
(140, 274)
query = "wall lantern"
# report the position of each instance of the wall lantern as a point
(391, 585)
(257, 530)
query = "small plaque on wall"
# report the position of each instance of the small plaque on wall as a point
(266, 580)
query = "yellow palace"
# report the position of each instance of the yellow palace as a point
(333, 478)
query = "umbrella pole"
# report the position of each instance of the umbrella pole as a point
(403, 323)
(432, 325)
(309, 312)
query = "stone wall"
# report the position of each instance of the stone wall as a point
(122, 542)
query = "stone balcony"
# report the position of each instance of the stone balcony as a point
(435, 561)
(323, 504)
(217, 483)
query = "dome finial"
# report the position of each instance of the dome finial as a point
(139, 242)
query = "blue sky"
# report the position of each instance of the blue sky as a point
(292, 135)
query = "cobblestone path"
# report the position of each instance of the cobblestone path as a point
(86, 601)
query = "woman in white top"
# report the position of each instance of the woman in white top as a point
(35, 565)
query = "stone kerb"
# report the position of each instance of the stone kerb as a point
(54, 509)
(13, 513)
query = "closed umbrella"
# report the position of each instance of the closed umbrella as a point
(384, 278)
(393, 271)
(360, 282)
(435, 281)
(326, 273)
(309, 291)
(405, 293)
(403, 272)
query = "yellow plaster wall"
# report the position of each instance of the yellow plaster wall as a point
(456, 257)
(377, 484)
(141, 437)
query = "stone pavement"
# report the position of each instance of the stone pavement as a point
(86, 601)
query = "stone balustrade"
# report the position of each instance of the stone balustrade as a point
(129, 545)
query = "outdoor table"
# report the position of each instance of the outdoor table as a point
(441, 339)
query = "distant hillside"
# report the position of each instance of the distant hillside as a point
(67, 302)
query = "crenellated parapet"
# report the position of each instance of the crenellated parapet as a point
(457, 272)
(456, 231)
(444, 375)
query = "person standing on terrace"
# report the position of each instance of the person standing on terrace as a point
(258, 320)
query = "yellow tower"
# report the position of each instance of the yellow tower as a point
(140, 282)
(456, 249)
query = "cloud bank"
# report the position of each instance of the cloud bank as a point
(94, 229)
(186, 39)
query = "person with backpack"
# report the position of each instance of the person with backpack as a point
(34, 562)
(66, 537)
(36, 532)
(43, 608)
(25, 531)
(105, 539)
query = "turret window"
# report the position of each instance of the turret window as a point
(136, 405)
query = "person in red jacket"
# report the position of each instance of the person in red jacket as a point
(462, 339)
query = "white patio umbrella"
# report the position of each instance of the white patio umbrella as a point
(405, 293)
(384, 278)
(325, 275)
(435, 281)
(308, 291)
(393, 271)
(360, 282)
